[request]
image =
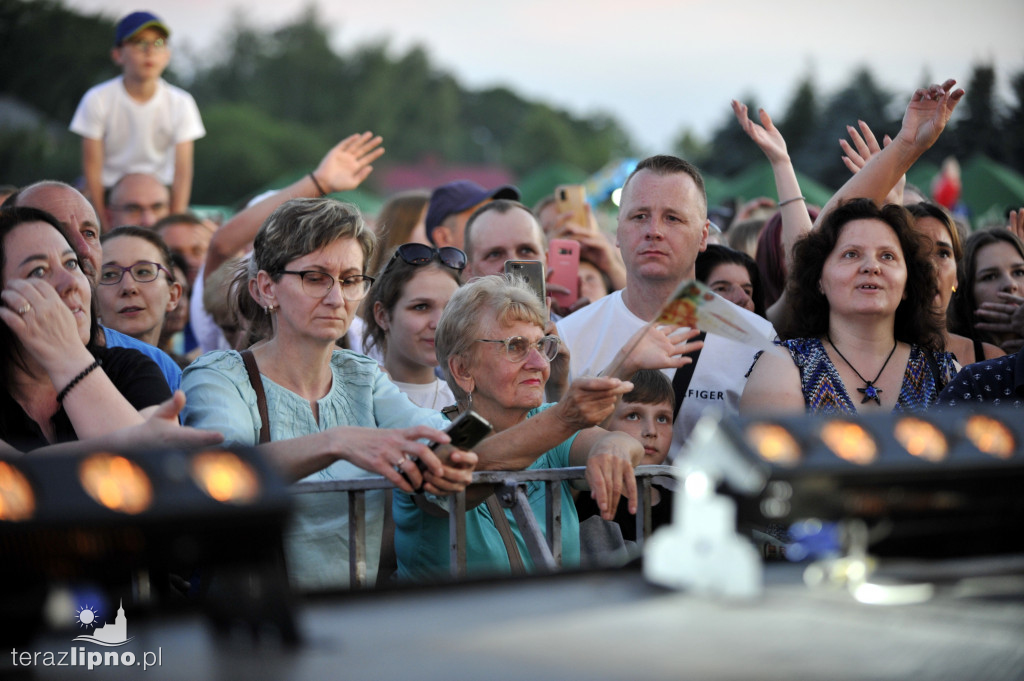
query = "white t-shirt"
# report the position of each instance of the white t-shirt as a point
(436, 395)
(596, 332)
(138, 137)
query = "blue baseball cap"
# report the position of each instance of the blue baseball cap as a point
(135, 22)
(459, 195)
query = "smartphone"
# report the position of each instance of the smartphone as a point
(466, 431)
(570, 198)
(530, 271)
(564, 262)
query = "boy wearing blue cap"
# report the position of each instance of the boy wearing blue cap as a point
(137, 122)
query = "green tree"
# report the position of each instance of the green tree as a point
(1013, 127)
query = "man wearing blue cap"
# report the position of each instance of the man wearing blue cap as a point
(137, 122)
(451, 205)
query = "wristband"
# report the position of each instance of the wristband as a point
(787, 201)
(76, 380)
(318, 187)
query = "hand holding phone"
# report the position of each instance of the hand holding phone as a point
(532, 272)
(571, 198)
(465, 432)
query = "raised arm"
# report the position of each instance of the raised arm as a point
(181, 188)
(926, 117)
(865, 146)
(343, 168)
(795, 220)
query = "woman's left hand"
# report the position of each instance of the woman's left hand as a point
(589, 401)
(610, 472)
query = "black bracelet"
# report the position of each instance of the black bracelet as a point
(318, 187)
(75, 381)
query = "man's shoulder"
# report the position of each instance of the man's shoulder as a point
(610, 305)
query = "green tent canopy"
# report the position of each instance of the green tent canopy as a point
(760, 181)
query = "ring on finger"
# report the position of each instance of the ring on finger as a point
(24, 309)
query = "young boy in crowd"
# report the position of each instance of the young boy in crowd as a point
(647, 413)
(137, 122)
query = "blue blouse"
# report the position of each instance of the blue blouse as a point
(220, 398)
(421, 539)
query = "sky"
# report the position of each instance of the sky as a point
(658, 66)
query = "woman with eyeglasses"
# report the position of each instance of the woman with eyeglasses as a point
(319, 412)
(59, 383)
(137, 288)
(497, 360)
(401, 314)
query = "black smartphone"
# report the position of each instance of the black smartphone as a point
(467, 430)
(530, 271)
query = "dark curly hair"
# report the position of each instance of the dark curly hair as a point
(916, 320)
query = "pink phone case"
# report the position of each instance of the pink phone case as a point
(564, 263)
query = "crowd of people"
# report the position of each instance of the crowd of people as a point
(341, 350)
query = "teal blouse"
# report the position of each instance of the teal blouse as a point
(220, 398)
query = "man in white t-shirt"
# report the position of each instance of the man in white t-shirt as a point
(662, 226)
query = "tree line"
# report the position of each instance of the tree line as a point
(274, 100)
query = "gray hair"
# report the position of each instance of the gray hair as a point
(507, 299)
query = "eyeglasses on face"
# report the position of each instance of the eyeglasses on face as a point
(518, 347)
(158, 45)
(318, 284)
(142, 272)
(421, 254)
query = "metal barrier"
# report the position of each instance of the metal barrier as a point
(545, 547)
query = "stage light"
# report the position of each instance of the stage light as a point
(126, 521)
(940, 483)
(17, 500)
(225, 477)
(116, 482)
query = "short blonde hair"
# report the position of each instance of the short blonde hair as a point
(506, 299)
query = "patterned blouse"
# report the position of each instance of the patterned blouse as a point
(825, 393)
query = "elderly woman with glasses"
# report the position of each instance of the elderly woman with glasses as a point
(496, 358)
(319, 412)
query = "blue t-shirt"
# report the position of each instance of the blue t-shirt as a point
(421, 539)
(168, 367)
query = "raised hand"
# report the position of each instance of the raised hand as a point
(47, 326)
(1016, 224)
(927, 114)
(864, 147)
(766, 136)
(347, 164)
(589, 401)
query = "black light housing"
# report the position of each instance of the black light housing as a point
(932, 484)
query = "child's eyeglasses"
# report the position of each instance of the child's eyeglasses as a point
(158, 45)
(421, 254)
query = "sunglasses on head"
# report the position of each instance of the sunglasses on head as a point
(421, 254)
